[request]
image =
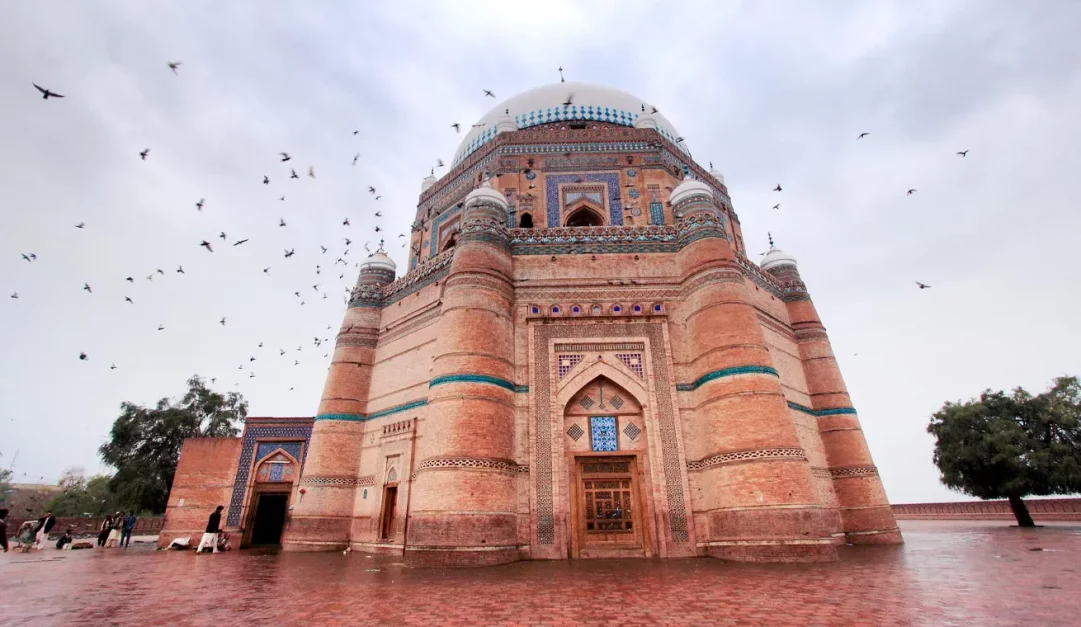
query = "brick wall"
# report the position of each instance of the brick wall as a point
(90, 526)
(1041, 509)
(204, 480)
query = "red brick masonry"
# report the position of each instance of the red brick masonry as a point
(1041, 509)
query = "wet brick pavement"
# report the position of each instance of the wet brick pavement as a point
(948, 573)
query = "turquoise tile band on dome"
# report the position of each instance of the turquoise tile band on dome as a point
(473, 378)
(372, 416)
(724, 372)
(822, 412)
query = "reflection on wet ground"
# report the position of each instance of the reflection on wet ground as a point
(947, 573)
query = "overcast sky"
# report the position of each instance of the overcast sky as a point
(770, 92)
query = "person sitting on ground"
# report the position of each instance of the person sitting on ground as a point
(64, 540)
(223, 542)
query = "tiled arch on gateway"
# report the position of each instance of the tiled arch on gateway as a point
(614, 378)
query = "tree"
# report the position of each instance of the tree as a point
(84, 497)
(5, 485)
(1012, 445)
(144, 444)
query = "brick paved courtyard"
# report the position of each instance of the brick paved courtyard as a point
(948, 573)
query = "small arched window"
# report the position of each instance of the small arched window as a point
(526, 222)
(585, 216)
(451, 241)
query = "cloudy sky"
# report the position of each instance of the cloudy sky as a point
(770, 92)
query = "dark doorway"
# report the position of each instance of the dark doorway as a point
(386, 521)
(526, 222)
(585, 217)
(269, 519)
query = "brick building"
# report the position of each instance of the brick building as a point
(580, 361)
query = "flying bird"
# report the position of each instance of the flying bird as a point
(348, 241)
(161, 327)
(112, 367)
(862, 135)
(205, 244)
(180, 270)
(222, 321)
(80, 225)
(324, 248)
(923, 286)
(222, 235)
(911, 191)
(569, 101)
(266, 270)
(293, 174)
(14, 294)
(86, 286)
(777, 206)
(963, 153)
(281, 221)
(378, 197)
(488, 93)
(45, 93)
(239, 242)
(199, 205)
(282, 199)
(311, 171)
(129, 300)
(266, 180)
(355, 157)
(778, 188)
(130, 279)
(290, 253)
(355, 132)
(144, 153)
(401, 234)
(377, 229)
(438, 163)
(379, 214)
(285, 156)
(371, 190)
(82, 356)
(29, 258)
(174, 65)
(457, 127)
(160, 271)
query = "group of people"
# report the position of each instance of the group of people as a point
(115, 531)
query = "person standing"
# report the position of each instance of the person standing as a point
(126, 529)
(213, 528)
(114, 531)
(45, 525)
(4, 529)
(106, 527)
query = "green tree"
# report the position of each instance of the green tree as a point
(84, 497)
(5, 485)
(144, 445)
(1012, 445)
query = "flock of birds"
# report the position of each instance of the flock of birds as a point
(908, 192)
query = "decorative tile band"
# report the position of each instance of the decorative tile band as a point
(372, 416)
(472, 378)
(724, 372)
(521, 389)
(854, 471)
(822, 412)
(504, 465)
(741, 456)
(345, 482)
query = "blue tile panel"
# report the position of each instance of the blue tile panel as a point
(656, 213)
(266, 448)
(247, 451)
(551, 194)
(372, 416)
(725, 372)
(822, 412)
(433, 236)
(602, 433)
(472, 378)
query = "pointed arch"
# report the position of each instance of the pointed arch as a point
(583, 376)
(585, 215)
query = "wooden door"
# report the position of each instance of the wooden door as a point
(386, 522)
(607, 510)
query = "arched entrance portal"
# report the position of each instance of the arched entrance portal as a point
(274, 477)
(606, 459)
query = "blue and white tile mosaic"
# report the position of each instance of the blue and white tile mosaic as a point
(248, 449)
(602, 433)
(551, 194)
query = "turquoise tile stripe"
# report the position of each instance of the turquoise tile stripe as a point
(372, 416)
(472, 378)
(725, 372)
(822, 412)
(521, 389)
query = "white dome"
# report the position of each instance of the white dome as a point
(717, 175)
(776, 257)
(689, 187)
(427, 182)
(485, 193)
(381, 260)
(542, 105)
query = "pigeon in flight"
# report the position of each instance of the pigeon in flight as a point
(348, 241)
(777, 206)
(355, 132)
(281, 221)
(293, 174)
(45, 93)
(199, 205)
(144, 153)
(290, 253)
(778, 188)
(923, 286)
(963, 153)
(489, 93)
(83, 357)
(112, 367)
(378, 197)
(205, 244)
(239, 242)
(371, 190)
(438, 163)
(128, 299)
(862, 135)
(161, 327)
(457, 127)
(180, 270)
(222, 235)
(311, 171)
(150, 277)
(86, 286)
(160, 271)
(355, 157)
(80, 225)
(324, 248)
(174, 65)
(401, 234)
(281, 351)
(130, 279)
(266, 270)
(911, 191)
(285, 156)
(282, 198)
(14, 294)
(569, 101)
(379, 214)
(30, 258)
(377, 229)
(222, 321)
(266, 180)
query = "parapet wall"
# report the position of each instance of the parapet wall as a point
(1040, 509)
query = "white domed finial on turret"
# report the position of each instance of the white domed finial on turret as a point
(645, 120)
(716, 173)
(428, 181)
(775, 257)
(485, 195)
(505, 123)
